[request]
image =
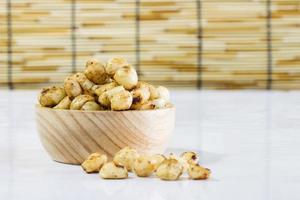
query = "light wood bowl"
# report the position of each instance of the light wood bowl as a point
(69, 136)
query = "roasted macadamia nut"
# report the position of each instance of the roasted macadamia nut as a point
(163, 93)
(126, 157)
(79, 101)
(72, 87)
(105, 98)
(112, 171)
(51, 96)
(152, 89)
(121, 100)
(100, 89)
(94, 162)
(144, 166)
(84, 82)
(154, 104)
(157, 159)
(197, 172)
(190, 157)
(91, 105)
(64, 104)
(140, 96)
(127, 77)
(95, 71)
(114, 64)
(170, 169)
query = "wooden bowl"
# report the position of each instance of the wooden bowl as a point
(69, 136)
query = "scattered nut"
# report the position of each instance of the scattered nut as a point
(126, 157)
(79, 101)
(197, 172)
(144, 166)
(127, 77)
(112, 171)
(64, 103)
(157, 159)
(51, 96)
(114, 64)
(170, 169)
(190, 157)
(121, 100)
(94, 162)
(95, 71)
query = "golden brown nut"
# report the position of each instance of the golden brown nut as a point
(170, 169)
(79, 101)
(144, 166)
(197, 172)
(94, 162)
(157, 159)
(95, 71)
(100, 89)
(121, 100)
(126, 157)
(163, 93)
(140, 96)
(91, 105)
(72, 87)
(190, 157)
(127, 77)
(114, 64)
(84, 82)
(154, 104)
(64, 104)
(112, 171)
(152, 89)
(185, 165)
(51, 96)
(105, 98)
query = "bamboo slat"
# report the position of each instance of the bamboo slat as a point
(215, 44)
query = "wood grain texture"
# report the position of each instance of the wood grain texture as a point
(70, 136)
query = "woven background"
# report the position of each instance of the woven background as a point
(211, 44)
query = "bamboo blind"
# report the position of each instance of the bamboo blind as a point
(214, 44)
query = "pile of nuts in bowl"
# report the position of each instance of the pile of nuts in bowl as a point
(128, 160)
(105, 86)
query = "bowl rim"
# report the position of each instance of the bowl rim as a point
(37, 106)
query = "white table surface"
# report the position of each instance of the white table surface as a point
(249, 139)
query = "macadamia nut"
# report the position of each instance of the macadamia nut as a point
(51, 96)
(112, 171)
(170, 169)
(72, 87)
(127, 77)
(157, 159)
(154, 104)
(197, 172)
(100, 89)
(152, 89)
(79, 101)
(121, 100)
(163, 93)
(140, 96)
(64, 104)
(105, 98)
(94, 162)
(126, 157)
(144, 166)
(114, 64)
(95, 71)
(91, 105)
(190, 157)
(84, 82)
